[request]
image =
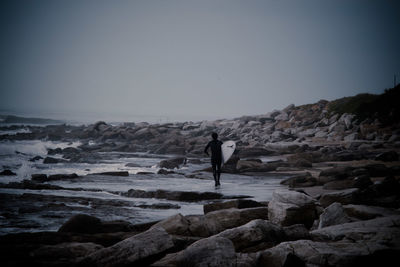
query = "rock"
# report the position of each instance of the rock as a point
(361, 230)
(164, 171)
(296, 232)
(176, 224)
(50, 160)
(291, 207)
(36, 158)
(339, 254)
(343, 197)
(334, 214)
(81, 223)
(172, 163)
(212, 223)
(378, 170)
(335, 173)
(339, 184)
(213, 251)
(39, 177)
(388, 156)
(305, 180)
(363, 212)
(131, 164)
(362, 181)
(138, 250)
(351, 137)
(255, 235)
(237, 203)
(55, 177)
(7, 173)
(118, 173)
(68, 252)
(246, 152)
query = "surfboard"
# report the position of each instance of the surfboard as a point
(227, 148)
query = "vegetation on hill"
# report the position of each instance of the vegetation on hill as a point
(384, 107)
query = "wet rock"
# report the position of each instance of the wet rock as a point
(82, 223)
(172, 163)
(388, 156)
(141, 249)
(334, 214)
(40, 177)
(255, 235)
(237, 203)
(36, 158)
(291, 207)
(173, 195)
(164, 171)
(7, 173)
(117, 173)
(131, 164)
(362, 181)
(50, 160)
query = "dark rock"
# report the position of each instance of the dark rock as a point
(237, 203)
(54, 151)
(362, 181)
(296, 232)
(55, 177)
(335, 173)
(305, 180)
(339, 184)
(164, 171)
(346, 196)
(81, 223)
(118, 173)
(378, 170)
(173, 195)
(172, 163)
(388, 156)
(36, 158)
(131, 164)
(138, 250)
(64, 253)
(7, 173)
(50, 160)
(246, 152)
(39, 177)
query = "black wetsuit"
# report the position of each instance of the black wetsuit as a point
(216, 158)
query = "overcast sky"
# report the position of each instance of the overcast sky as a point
(201, 59)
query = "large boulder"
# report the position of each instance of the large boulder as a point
(333, 215)
(255, 235)
(212, 251)
(339, 254)
(292, 207)
(137, 250)
(212, 223)
(382, 227)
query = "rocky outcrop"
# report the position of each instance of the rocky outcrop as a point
(291, 207)
(136, 250)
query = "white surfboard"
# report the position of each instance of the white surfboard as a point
(227, 148)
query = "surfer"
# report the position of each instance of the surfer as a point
(216, 157)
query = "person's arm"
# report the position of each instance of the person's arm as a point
(206, 149)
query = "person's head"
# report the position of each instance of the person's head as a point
(214, 136)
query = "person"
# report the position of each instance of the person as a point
(216, 157)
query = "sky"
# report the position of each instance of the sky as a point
(192, 59)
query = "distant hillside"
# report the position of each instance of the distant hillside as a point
(384, 107)
(16, 119)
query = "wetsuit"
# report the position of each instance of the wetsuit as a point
(216, 158)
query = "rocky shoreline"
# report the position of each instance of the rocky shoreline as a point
(341, 206)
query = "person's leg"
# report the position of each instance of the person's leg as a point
(218, 172)
(214, 168)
